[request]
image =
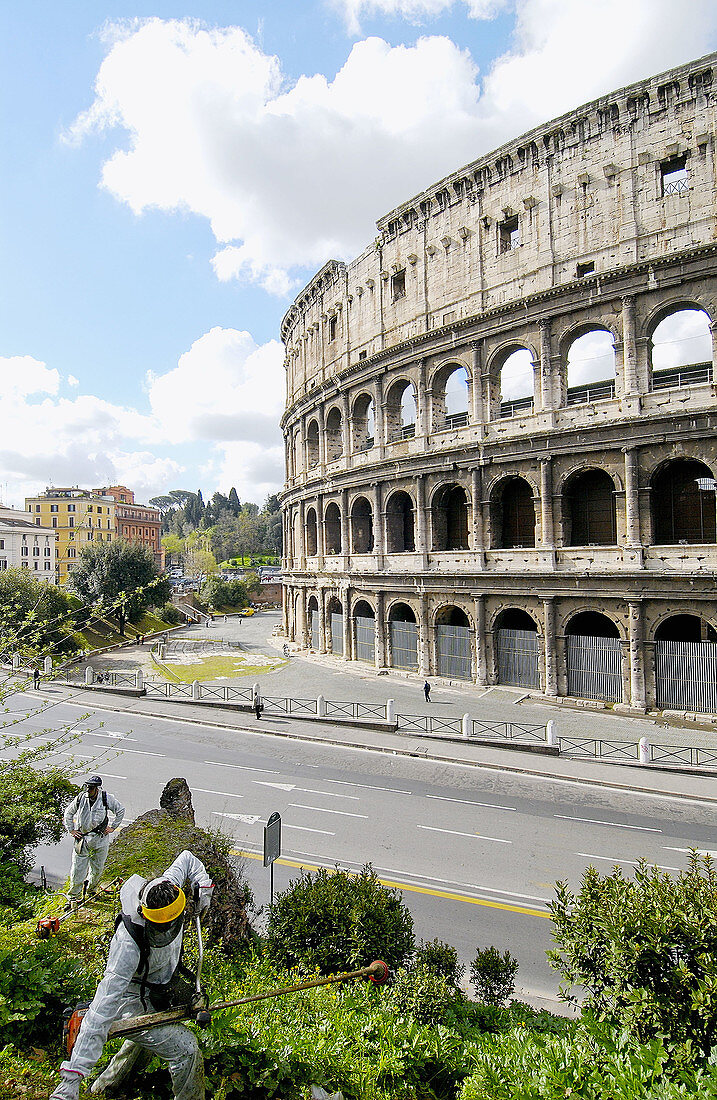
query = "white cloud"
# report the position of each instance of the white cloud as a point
(72, 381)
(415, 11)
(289, 175)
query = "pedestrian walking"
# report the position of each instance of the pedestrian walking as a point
(87, 819)
(427, 691)
(258, 705)
(144, 956)
(36, 679)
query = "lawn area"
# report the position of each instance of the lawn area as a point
(221, 666)
(102, 632)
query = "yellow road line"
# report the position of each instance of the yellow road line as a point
(413, 889)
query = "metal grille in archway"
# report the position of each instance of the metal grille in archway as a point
(314, 630)
(517, 653)
(404, 645)
(686, 676)
(594, 668)
(453, 651)
(365, 639)
(337, 634)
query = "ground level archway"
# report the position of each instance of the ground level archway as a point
(452, 635)
(594, 657)
(517, 651)
(686, 665)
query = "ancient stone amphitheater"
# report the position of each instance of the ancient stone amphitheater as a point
(500, 417)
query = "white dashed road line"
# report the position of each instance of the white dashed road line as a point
(322, 810)
(612, 824)
(473, 836)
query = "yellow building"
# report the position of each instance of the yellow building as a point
(78, 516)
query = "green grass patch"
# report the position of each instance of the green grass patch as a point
(102, 632)
(218, 667)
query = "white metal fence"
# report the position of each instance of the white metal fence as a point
(686, 676)
(453, 651)
(517, 653)
(594, 668)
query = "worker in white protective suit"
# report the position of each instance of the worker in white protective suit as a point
(144, 956)
(87, 819)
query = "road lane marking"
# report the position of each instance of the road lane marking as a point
(276, 786)
(306, 829)
(366, 786)
(79, 755)
(138, 752)
(627, 862)
(223, 794)
(469, 802)
(473, 836)
(408, 888)
(109, 775)
(248, 819)
(322, 810)
(612, 824)
(238, 767)
(687, 851)
(305, 790)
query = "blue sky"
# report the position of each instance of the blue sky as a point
(173, 174)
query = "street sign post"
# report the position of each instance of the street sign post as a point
(272, 845)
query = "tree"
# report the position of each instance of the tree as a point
(33, 615)
(199, 563)
(121, 577)
(234, 502)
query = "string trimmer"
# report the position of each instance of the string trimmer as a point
(50, 926)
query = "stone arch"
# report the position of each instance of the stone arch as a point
(593, 622)
(515, 618)
(363, 423)
(400, 523)
(334, 435)
(313, 622)
(312, 443)
(402, 636)
(512, 507)
(311, 532)
(335, 625)
(593, 650)
(588, 507)
(511, 370)
(332, 528)
(401, 410)
(686, 662)
(453, 637)
(680, 346)
(450, 388)
(683, 503)
(588, 355)
(449, 514)
(684, 627)
(361, 526)
(516, 642)
(364, 627)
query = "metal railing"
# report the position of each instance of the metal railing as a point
(600, 391)
(339, 709)
(456, 420)
(692, 375)
(598, 748)
(514, 408)
(683, 754)
(423, 723)
(513, 731)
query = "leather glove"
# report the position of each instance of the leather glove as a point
(69, 1087)
(205, 898)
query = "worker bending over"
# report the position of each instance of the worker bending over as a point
(143, 958)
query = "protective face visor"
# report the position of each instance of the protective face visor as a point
(162, 925)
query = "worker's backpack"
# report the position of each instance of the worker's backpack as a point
(180, 990)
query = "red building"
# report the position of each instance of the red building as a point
(135, 522)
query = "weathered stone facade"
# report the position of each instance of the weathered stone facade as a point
(474, 513)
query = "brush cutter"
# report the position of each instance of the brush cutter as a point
(377, 973)
(50, 926)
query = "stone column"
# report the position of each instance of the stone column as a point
(421, 519)
(345, 526)
(301, 549)
(477, 411)
(348, 632)
(551, 656)
(424, 637)
(380, 626)
(637, 655)
(379, 529)
(547, 532)
(547, 387)
(346, 428)
(423, 427)
(630, 380)
(477, 541)
(322, 435)
(379, 428)
(480, 650)
(713, 331)
(322, 620)
(632, 498)
(320, 539)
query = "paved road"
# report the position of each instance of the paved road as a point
(475, 851)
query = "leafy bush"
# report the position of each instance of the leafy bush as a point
(333, 921)
(429, 997)
(645, 950)
(37, 979)
(493, 975)
(440, 958)
(31, 804)
(171, 614)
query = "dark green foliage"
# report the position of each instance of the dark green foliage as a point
(217, 593)
(429, 997)
(334, 921)
(33, 615)
(441, 958)
(171, 615)
(31, 805)
(37, 979)
(493, 975)
(121, 577)
(645, 950)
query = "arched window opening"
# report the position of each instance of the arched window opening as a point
(455, 397)
(517, 649)
(592, 624)
(517, 383)
(403, 637)
(361, 526)
(589, 515)
(311, 539)
(399, 524)
(334, 436)
(681, 350)
(312, 444)
(364, 632)
(514, 515)
(298, 463)
(363, 423)
(686, 664)
(591, 367)
(683, 503)
(401, 411)
(685, 628)
(594, 657)
(332, 529)
(335, 614)
(450, 519)
(453, 644)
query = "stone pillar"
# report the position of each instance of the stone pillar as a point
(320, 534)
(477, 540)
(322, 620)
(480, 650)
(713, 331)
(379, 428)
(424, 637)
(322, 436)
(632, 498)
(477, 411)
(348, 632)
(547, 387)
(423, 427)
(346, 429)
(547, 532)
(637, 656)
(379, 527)
(630, 380)
(551, 657)
(301, 625)
(345, 526)
(301, 549)
(421, 518)
(380, 627)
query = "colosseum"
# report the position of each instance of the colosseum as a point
(500, 417)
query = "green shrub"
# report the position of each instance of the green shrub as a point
(429, 997)
(333, 921)
(493, 975)
(440, 958)
(171, 614)
(37, 979)
(645, 950)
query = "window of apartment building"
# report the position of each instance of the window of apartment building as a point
(332, 327)
(38, 522)
(90, 536)
(71, 521)
(47, 551)
(99, 509)
(54, 521)
(25, 564)
(54, 507)
(36, 551)
(109, 538)
(2, 544)
(508, 233)
(3, 564)
(398, 286)
(37, 507)
(673, 176)
(24, 551)
(48, 566)
(71, 552)
(36, 565)
(71, 508)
